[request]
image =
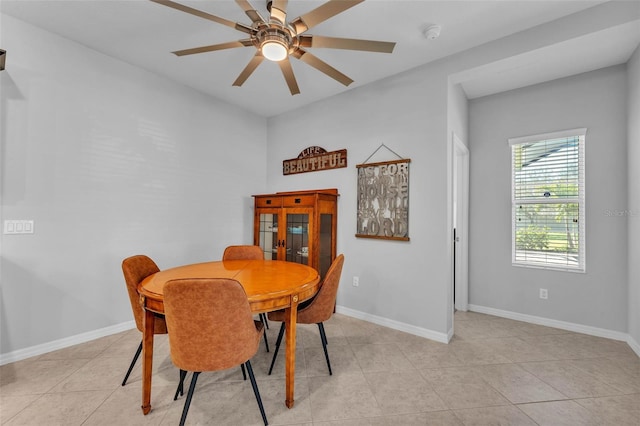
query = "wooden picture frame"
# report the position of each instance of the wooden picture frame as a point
(383, 200)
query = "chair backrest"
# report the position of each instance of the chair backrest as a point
(135, 269)
(321, 307)
(243, 253)
(210, 324)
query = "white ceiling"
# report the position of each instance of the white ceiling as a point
(143, 33)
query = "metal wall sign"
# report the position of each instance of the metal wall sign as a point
(383, 200)
(313, 159)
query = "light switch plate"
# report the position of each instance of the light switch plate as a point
(18, 226)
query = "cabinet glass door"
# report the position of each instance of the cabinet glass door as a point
(269, 235)
(297, 238)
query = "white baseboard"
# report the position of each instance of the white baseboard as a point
(396, 325)
(32, 351)
(634, 345)
(563, 325)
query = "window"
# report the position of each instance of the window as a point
(547, 198)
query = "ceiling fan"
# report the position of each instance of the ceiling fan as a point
(277, 39)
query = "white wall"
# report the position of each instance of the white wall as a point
(597, 101)
(108, 157)
(405, 282)
(415, 276)
(408, 285)
(633, 206)
(110, 161)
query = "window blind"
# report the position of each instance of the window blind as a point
(548, 200)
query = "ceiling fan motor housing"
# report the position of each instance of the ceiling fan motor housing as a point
(274, 34)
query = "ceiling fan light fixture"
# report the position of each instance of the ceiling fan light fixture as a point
(274, 44)
(274, 50)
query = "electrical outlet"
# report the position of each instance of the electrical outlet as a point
(356, 281)
(544, 293)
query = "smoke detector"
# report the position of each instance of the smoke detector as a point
(432, 32)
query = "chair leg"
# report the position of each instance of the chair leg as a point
(180, 389)
(244, 373)
(133, 362)
(256, 392)
(266, 342)
(263, 318)
(323, 337)
(187, 402)
(275, 352)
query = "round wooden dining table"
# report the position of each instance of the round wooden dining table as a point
(269, 284)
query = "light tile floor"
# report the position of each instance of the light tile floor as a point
(494, 372)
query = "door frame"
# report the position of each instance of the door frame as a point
(460, 220)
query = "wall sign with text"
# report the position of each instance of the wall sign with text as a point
(383, 200)
(314, 159)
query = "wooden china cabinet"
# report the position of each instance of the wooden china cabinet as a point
(298, 227)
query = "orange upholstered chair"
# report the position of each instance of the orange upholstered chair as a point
(248, 253)
(135, 269)
(316, 311)
(243, 253)
(211, 328)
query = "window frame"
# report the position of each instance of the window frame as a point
(580, 133)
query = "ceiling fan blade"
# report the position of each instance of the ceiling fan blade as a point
(278, 11)
(287, 71)
(205, 15)
(346, 43)
(214, 47)
(322, 66)
(250, 11)
(249, 69)
(321, 14)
